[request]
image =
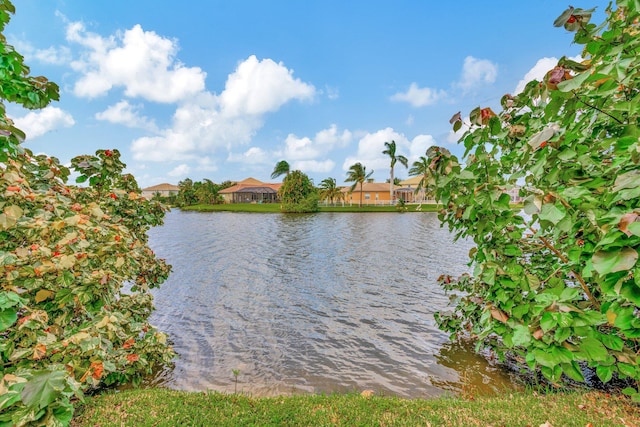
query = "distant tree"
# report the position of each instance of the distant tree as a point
(330, 191)
(186, 194)
(421, 167)
(357, 174)
(206, 191)
(281, 168)
(297, 193)
(390, 150)
(396, 180)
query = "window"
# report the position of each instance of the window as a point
(367, 196)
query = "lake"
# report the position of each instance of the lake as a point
(319, 303)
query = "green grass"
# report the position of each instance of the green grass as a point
(275, 208)
(162, 407)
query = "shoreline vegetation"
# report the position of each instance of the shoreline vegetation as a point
(164, 407)
(275, 208)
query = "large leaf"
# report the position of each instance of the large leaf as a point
(43, 388)
(7, 318)
(605, 262)
(593, 350)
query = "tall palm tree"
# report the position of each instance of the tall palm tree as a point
(357, 174)
(390, 150)
(330, 190)
(421, 167)
(281, 168)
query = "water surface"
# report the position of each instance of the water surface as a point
(322, 303)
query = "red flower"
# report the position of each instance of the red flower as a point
(133, 357)
(571, 19)
(108, 153)
(113, 196)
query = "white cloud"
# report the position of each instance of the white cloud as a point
(332, 92)
(259, 87)
(142, 62)
(126, 114)
(371, 146)
(37, 123)
(536, 73)
(306, 153)
(52, 55)
(330, 138)
(477, 72)
(314, 166)
(180, 170)
(253, 156)
(419, 97)
(300, 148)
(207, 122)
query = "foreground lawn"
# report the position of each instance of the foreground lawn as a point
(162, 407)
(275, 208)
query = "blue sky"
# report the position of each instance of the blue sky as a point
(225, 89)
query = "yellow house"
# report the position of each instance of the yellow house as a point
(373, 193)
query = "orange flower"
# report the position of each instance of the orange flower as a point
(97, 369)
(133, 357)
(129, 343)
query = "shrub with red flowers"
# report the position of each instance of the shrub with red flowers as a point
(75, 268)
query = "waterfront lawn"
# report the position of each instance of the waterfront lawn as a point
(275, 208)
(162, 407)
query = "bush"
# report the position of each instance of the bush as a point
(558, 284)
(297, 194)
(76, 269)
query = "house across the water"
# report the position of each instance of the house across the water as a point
(251, 190)
(163, 190)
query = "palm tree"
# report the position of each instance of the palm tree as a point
(330, 190)
(357, 174)
(390, 150)
(422, 167)
(281, 168)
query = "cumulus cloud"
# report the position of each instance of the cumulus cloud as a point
(37, 123)
(419, 97)
(307, 153)
(477, 72)
(259, 87)
(52, 55)
(126, 114)
(180, 170)
(142, 62)
(208, 122)
(371, 146)
(314, 166)
(252, 156)
(536, 73)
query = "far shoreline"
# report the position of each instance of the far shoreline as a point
(275, 208)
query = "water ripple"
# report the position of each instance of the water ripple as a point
(311, 303)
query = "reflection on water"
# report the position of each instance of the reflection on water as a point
(311, 303)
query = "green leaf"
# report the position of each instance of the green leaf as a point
(521, 335)
(43, 388)
(574, 83)
(552, 213)
(623, 259)
(593, 350)
(628, 370)
(605, 373)
(7, 318)
(572, 370)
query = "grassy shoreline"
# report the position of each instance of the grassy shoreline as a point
(163, 407)
(275, 208)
